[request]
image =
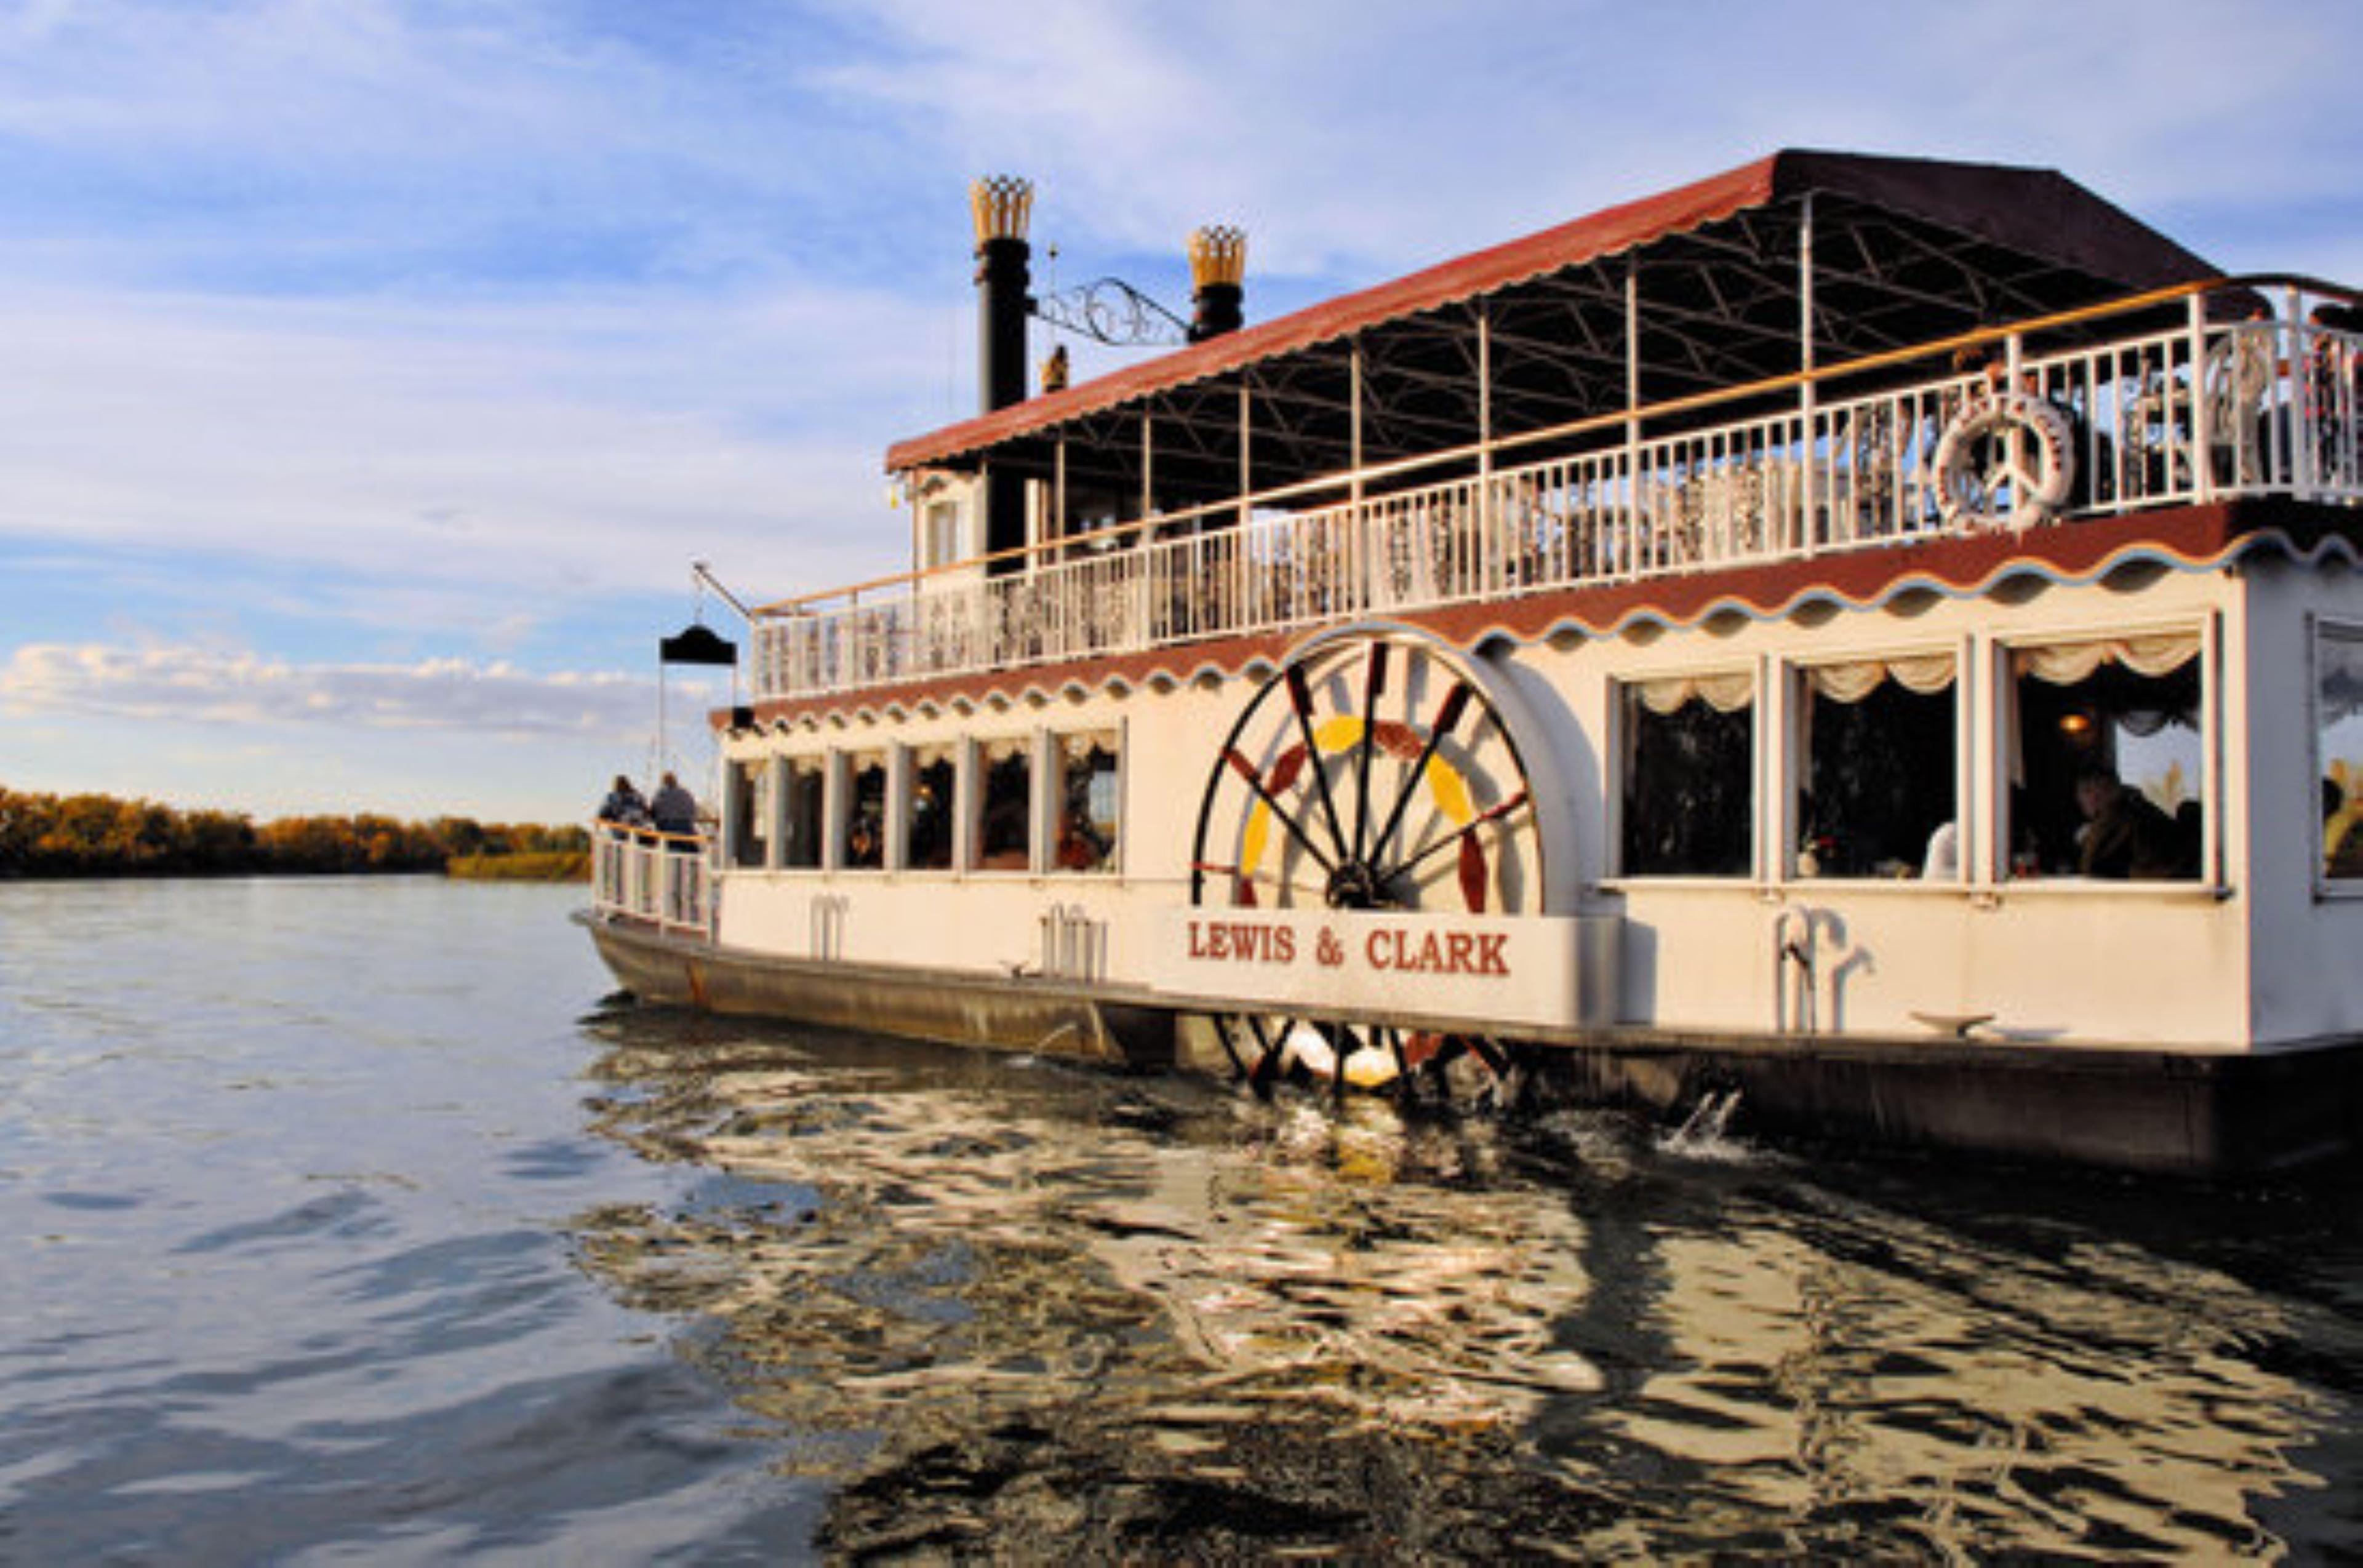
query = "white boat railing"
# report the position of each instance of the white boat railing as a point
(664, 879)
(2199, 412)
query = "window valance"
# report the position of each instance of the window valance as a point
(1727, 693)
(2065, 663)
(1924, 673)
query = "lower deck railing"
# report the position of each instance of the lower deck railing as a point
(665, 879)
(2196, 413)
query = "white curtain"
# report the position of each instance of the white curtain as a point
(2065, 663)
(1725, 693)
(1924, 673)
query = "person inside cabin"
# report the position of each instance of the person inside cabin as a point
(622, 808)
(1080, 847)
(2123, 834)
(674, 808)
(862, 846)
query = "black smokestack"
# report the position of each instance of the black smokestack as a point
(1218, 269)
(1001, 205)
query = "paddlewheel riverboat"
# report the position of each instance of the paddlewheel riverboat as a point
(1878, 639)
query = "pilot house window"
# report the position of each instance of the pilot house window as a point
(1689, 800)
(940, 544)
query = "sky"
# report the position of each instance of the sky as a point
(371, 371)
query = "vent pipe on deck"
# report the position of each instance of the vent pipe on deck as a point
(1002, 205)
(1218, 269)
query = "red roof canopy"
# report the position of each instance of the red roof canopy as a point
(2057, 226)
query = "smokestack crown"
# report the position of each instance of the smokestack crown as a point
(1218, 254)
(1218, 265)
(1001, 205)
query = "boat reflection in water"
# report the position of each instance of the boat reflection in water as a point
(996, 1302)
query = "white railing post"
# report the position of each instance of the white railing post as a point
(2298, 398)
(2203, 436)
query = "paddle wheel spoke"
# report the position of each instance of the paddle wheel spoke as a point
(1299, 703)
(1374, 684)
(1268, 1061)
(1245, 770)
(1459, 834)
(1448, 717)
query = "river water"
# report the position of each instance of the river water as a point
(346, 1220)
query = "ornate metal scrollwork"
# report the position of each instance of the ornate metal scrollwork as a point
(1111, 311)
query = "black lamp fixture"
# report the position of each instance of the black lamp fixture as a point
(697, 643)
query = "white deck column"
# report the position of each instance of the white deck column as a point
(1632, 411)
(776, 811)
(1810, 489)
(1487, 570)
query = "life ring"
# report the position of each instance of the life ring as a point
(1967, 481)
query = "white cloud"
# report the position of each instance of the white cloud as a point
(547, 451)
(1359, 138)
(199, 686)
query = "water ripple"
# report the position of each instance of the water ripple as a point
(1143, 1290)
(352, 1225)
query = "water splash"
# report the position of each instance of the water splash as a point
(1705, 1133)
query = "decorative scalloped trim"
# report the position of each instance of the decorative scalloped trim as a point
(1194, 667)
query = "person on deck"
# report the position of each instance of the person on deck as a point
(624, 807)
(674, 808)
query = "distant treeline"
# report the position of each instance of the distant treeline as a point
(97, 835)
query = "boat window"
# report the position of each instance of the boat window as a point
(1088, 803)
(803, 814)
(745, 827)
(1879, 776)
(2109, 766)
(865, 820)
(934, 778)
(1689, 799)
(2338, 747)
(942, 536)
(1004, 836)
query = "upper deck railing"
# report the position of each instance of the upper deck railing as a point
(2198, 411)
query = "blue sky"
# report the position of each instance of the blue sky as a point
(375, 369)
